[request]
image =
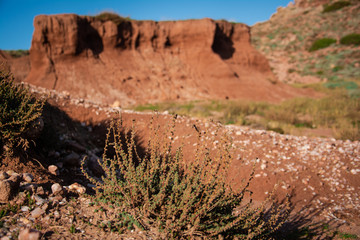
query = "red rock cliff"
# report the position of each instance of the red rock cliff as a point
(147, 61)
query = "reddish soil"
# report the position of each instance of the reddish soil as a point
(320, 174)
(146, 61)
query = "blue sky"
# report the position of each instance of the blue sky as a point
(16, 16)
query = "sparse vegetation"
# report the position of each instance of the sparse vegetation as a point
(321, 43)
(17, 53)
(18, 109)
(335, 6)
(338, 111)
(351, 39)
(173, 198)
(347, 235)
(295, 36)
(109, 16)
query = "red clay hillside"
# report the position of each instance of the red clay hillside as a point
(146, 61)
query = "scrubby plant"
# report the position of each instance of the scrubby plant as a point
(18, 109)
(169, 197)
(109, 16)
(335, 6)
(351, 39)
(17, 53)
(321, 43)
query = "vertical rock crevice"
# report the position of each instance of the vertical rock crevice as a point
(223, 44)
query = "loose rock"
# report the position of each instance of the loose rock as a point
(56, 188)
(78, 188)
(28, 177)
(54, 170)
(5, 190)
(72, 159)
(37, 212)
(29, 234)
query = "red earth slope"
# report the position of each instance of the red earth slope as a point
(145, 61)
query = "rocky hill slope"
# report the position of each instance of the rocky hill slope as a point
(286, 38)
(130, 62)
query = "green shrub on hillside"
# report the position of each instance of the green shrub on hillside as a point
(351, 39)
(108, 16)
(17, 53)
(18, 109)
(335, 6)
(168, 197)
(321, 43)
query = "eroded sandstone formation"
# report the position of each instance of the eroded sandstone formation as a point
(146, 61)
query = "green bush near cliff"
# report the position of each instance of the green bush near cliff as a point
(351, 39)
(108, 16)
(321, 43)
(336, 6)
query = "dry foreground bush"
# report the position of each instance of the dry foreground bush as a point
(19, 111)
(160, 194)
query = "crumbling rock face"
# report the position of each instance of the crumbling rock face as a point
(147, 61)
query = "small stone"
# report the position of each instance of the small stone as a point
(5, 190)
(56, 188)
(25, 220)
(3, 175)
(40, 190)
(37, 212)
(349, 206)
(56, 154)
(11, 172)
(39, 200)
(29, 234)
(263, 166)
(72, 159)
(25, 208)
(78, 188)
(46, 219)
(54, 170)
(354, 171)
(28, 177)
(305, 181)
(45, 207)
(29, 187)
(60, 165)
(56, 214)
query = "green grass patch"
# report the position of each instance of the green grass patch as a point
(109, 16)
(351, 39)
(17, 53)
(335, 6)
(347, 235)
(341, 84)
(339, 110)
(321, 43)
